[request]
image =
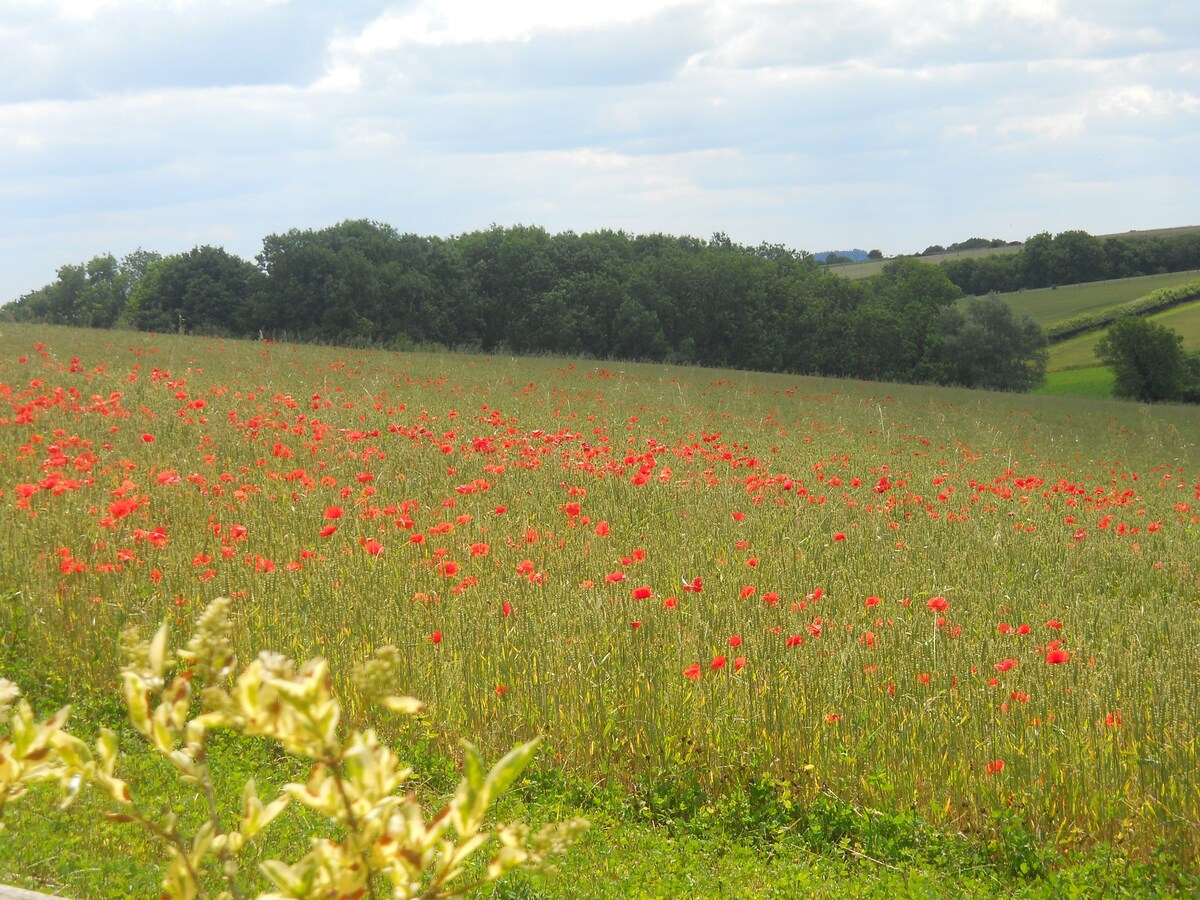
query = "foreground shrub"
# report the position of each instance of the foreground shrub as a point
(175, 700)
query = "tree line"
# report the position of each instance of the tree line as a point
(1072, 257)
(605, 294)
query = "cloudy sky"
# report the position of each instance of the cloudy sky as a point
(818, 124)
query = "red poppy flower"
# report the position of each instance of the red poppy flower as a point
(748, 591)
(327, 531)
(614, 577)
(718, 662)
(1005, 664)
(642, 593)
(739, 664)
(436, 637)
(696, 586)
(995, 767)
(333, 512)
(693, 671)
(735, 641)
(372, 546)
(1055, 657)
(871, 601)
(506, 608)
(937, 604)
(1054, 623)
(147, 439)
(795, 641)
(840, 536)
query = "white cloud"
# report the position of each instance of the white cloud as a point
(1139, 100)
(441, 22)
(814, 123)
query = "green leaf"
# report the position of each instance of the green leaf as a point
(505, 772)
(472, 767)
(158, 651)
(406, 705)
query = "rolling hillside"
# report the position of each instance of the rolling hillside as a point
(1049, 306)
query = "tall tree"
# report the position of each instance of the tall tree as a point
(205, 290)
(985, 345)
(1147, 360)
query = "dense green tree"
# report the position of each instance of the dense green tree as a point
(983, 344)
(325, 284)
(605, 294)
(906, 299)
(91, 294)
(1073, 257)
(205, 290)
(1077, 257)
(1147, 360)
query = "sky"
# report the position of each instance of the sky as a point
(816, 124)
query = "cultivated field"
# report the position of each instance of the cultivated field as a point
(1079, 352)
(975, 608)
(1049, 306)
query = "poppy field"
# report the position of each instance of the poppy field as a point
(909, 598)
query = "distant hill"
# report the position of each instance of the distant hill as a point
(855, 255)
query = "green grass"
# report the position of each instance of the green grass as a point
(1049, 306)
(1079, 352)
(1186, 321)
(141, 475)
(1096, 381)
(661, 839)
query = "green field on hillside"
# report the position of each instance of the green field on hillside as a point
(1049, 306)
(1079, 352)
(1186, 321)
(779, 636)
(1096, 381)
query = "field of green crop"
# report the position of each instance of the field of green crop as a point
(822, 609)
(1079, 352)
(1186, 321)
(1096, 381)
(1049, 306)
